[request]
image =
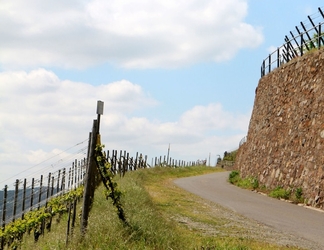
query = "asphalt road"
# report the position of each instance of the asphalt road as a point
(283, 216)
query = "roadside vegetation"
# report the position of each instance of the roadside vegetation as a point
(160, 216)
(230, 156)
(279, 192)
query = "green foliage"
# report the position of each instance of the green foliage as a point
(280, 193)
(255, 183)
(14, 231)
(107, 176)
(162, 215)
(298, 196)
(313, 43)
(247, 183)
(299, 193)
(230, 156)
(234, 177)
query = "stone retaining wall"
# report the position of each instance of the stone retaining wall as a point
(285, 142)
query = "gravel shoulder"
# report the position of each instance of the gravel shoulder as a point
(239, 220)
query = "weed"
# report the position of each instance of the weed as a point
(255, 183)
(299, 196)
(247, 183)
(280, 192)
(234, 177)
(299, 193)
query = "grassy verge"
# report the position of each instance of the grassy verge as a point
(252, 183)
(247, 183)
(160, 215)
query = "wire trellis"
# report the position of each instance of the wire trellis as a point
(55, 177)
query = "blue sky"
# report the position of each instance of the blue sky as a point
(178, 72)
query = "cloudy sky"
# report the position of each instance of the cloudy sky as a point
(169, 72)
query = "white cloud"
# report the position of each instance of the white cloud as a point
(145, 34)
(212, 117)
(41, 116)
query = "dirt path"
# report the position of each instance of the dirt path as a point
(290, 224)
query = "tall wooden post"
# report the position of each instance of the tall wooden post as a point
(23, 199)
(48, 187)
(32, 194)
(63, 180)
(4, 208)
(15, 200)
(168, 154)
(89, 186)
(40, 192)
(58, 181)
(91, 172)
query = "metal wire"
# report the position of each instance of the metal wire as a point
(57, 164)
(295, 45)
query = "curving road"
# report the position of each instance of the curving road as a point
(286, 217)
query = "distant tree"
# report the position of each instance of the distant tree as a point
(230, 156)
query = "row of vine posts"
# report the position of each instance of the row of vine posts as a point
(83, 173)
(17, 204)
(117, 165)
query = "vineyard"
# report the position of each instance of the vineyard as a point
(31, 205)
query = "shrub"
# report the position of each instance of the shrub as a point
(247, 183)
(299, 193)
(255, 183)
(279, 192)
(230, 156)
(234, 177)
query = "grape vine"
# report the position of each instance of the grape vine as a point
(107, 176)
(38, 220)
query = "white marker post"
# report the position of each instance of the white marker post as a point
(100, 108)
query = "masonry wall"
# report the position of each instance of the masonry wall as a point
(285, 141)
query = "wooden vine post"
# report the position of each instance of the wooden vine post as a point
(91, 172)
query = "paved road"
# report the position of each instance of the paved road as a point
(297, 220)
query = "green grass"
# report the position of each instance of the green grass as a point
(160, 215)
